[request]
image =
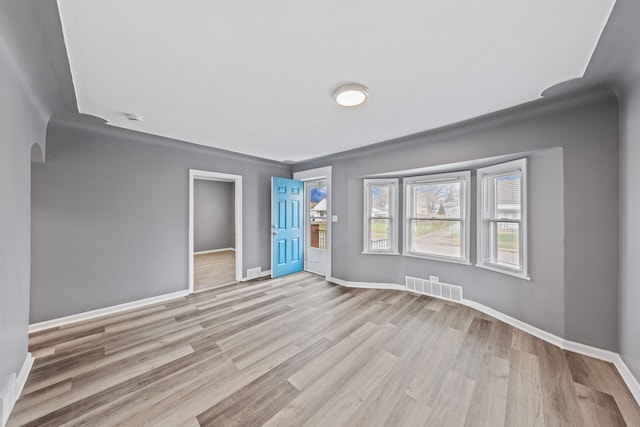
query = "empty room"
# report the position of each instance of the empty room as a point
(332, 214)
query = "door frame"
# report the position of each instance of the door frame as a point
(222, 177)
(313, 175)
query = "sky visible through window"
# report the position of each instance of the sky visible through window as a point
(318, 194)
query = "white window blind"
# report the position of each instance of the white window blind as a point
(380, 216)
(502, 218)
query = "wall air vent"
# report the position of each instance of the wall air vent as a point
(254, 272)
(433, 288)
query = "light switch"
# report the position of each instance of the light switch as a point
(334, 218)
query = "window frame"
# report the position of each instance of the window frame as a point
(394, 184)
(484, 175)
(464, 177)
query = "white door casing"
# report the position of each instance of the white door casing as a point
(224, 177)
(314, 175)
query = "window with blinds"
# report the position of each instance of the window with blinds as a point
(380, 211)
(502, 218)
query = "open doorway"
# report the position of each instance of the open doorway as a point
(318, 219)
(214, 246)
(215, 229)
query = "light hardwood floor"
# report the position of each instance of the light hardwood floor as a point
(300, 351)
(214, 269)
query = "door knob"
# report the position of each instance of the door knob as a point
(275, 233)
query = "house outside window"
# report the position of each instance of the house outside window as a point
(502, 218)
(318, 222)
(436, 216)
(380, 216)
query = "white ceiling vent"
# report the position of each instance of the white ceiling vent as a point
(133, 117)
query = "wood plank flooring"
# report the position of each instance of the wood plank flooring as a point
(214, 269)
(300, 351)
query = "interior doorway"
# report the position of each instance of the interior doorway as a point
(215, 229)
(318, 219)
(213, 234)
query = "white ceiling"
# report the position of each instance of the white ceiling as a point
(256, 77)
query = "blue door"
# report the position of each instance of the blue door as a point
(287, 239)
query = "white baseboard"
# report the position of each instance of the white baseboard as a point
(367, 285)
(24, 373)
(536, 332)
(597, 353)
(587, 350)
(262, 274)
(7, 399)
(13, 388)
(628, 377)
(214, 250)
(105, 311)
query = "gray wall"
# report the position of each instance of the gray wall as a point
(573, 252)
(31, 87)
(213, 212)
(630, 228)
(20, 127)
(110, 215)
(616, 63)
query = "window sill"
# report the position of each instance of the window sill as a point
(517, 274)
(380, 253)
(436, 258)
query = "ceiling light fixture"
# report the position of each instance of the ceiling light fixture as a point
(350, 94)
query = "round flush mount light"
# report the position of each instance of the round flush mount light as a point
(350, 94)
(133, 117)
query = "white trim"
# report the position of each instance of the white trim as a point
(380, 253)
(597, 353)
(312, 175)
(536, 332)
(13, 388)
(394, 198)
(61, 321)
(224, 177)
(366, 285)
(437, 258)
(465, 215)
(481, 174)
(505, 270)
(21, 380)
(588, 350)
(214, 251)
(262, 274)
(628, 377)
(7, 398)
